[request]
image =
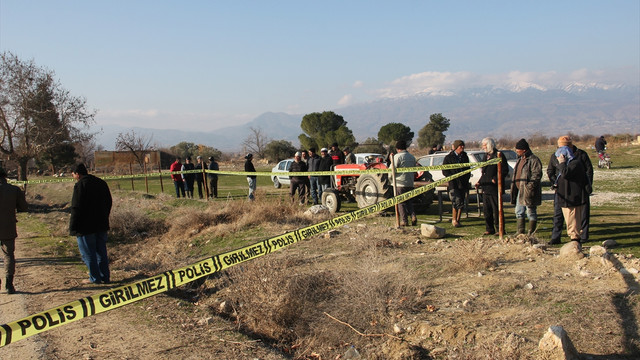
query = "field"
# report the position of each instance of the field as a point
(390, 293)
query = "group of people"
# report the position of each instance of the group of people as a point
(184, 183)
(570, 172)
(89, 222)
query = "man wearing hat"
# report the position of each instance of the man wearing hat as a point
(298, 183)
(213, 178)
(459, 186)
(252, 180)
(526, 193)
(11, 200)
(349, 158)
(553, 172)
(90, 207)
(336, 155)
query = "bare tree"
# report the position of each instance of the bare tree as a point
(256, 142)
(136, 144)
(36, 112)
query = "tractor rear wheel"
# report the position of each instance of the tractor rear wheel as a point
(371, 189)
(331, 199)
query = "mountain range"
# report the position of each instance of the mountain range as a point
(473, 113)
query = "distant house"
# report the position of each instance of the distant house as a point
(125, 162)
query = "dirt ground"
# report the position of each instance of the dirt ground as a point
(390, 293)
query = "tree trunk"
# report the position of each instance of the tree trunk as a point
(22, 168)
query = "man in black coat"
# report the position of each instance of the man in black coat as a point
(90, 209)
(459, 186)
(12, 200)
(489, 183)
(553, 172)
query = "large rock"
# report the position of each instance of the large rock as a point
(571, 251)
(557, 346)
(597, 251)
(609, 243)
(432, 231)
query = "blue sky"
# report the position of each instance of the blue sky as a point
(210, 64)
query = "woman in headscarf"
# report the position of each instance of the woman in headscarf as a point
(571, 193)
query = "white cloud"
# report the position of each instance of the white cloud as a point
(345, 100)
(447, 83)
(358, 84)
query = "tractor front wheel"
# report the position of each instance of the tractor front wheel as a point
(331, 199)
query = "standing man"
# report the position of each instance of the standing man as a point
(314, 186)
(404, 182)
(336, 155)
(349, 158)
(553, 172)
(571, 192)
(459, 186)
(252, 180)
(489, 183)
(188, 178)
(177, 178)
(90, 208)
(11, 200)
(325, 165)
(526, 193)
(298, 183)
(213, 178)
(199, 176)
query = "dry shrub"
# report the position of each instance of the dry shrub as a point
(132, 223)
(472, 255)
(292, 308)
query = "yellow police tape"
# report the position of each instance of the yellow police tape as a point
(258, 173)
(127, 294)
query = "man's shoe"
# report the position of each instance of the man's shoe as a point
(11, 289)
(488, 233)
(554, 242)
(87, 281)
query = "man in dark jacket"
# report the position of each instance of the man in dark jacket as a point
(251, 179)
(213, 178)
(553, 172)
(459, 186)
(526, 193)
(298, 183)
(90, 209)
(11, 200)
(489, 183)
(325, 165)
(313, 164)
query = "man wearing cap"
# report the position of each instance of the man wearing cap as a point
(199, 176)
(89, 223)
(325, 165)
(404, 182)
(459, 186)
(213, 178)
(177, 178)
(553, 172)
(252, 180)
(349, 158)
(526, 193)
(12, 200)
(313, 164)
(298, 183)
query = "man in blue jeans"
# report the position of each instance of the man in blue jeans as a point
(90, 208)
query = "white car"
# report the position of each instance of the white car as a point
(279, 180)
(475, 156)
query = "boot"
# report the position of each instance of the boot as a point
(520, 226)
(532, 226)
(454, 217)
(459, 216)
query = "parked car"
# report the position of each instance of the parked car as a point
(475, 156)
(279, 180)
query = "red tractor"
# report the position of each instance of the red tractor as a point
(367, 189)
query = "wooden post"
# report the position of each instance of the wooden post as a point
(131, 173)
(146, 179)
(500, 209)
(395, 190)
(160, 172)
